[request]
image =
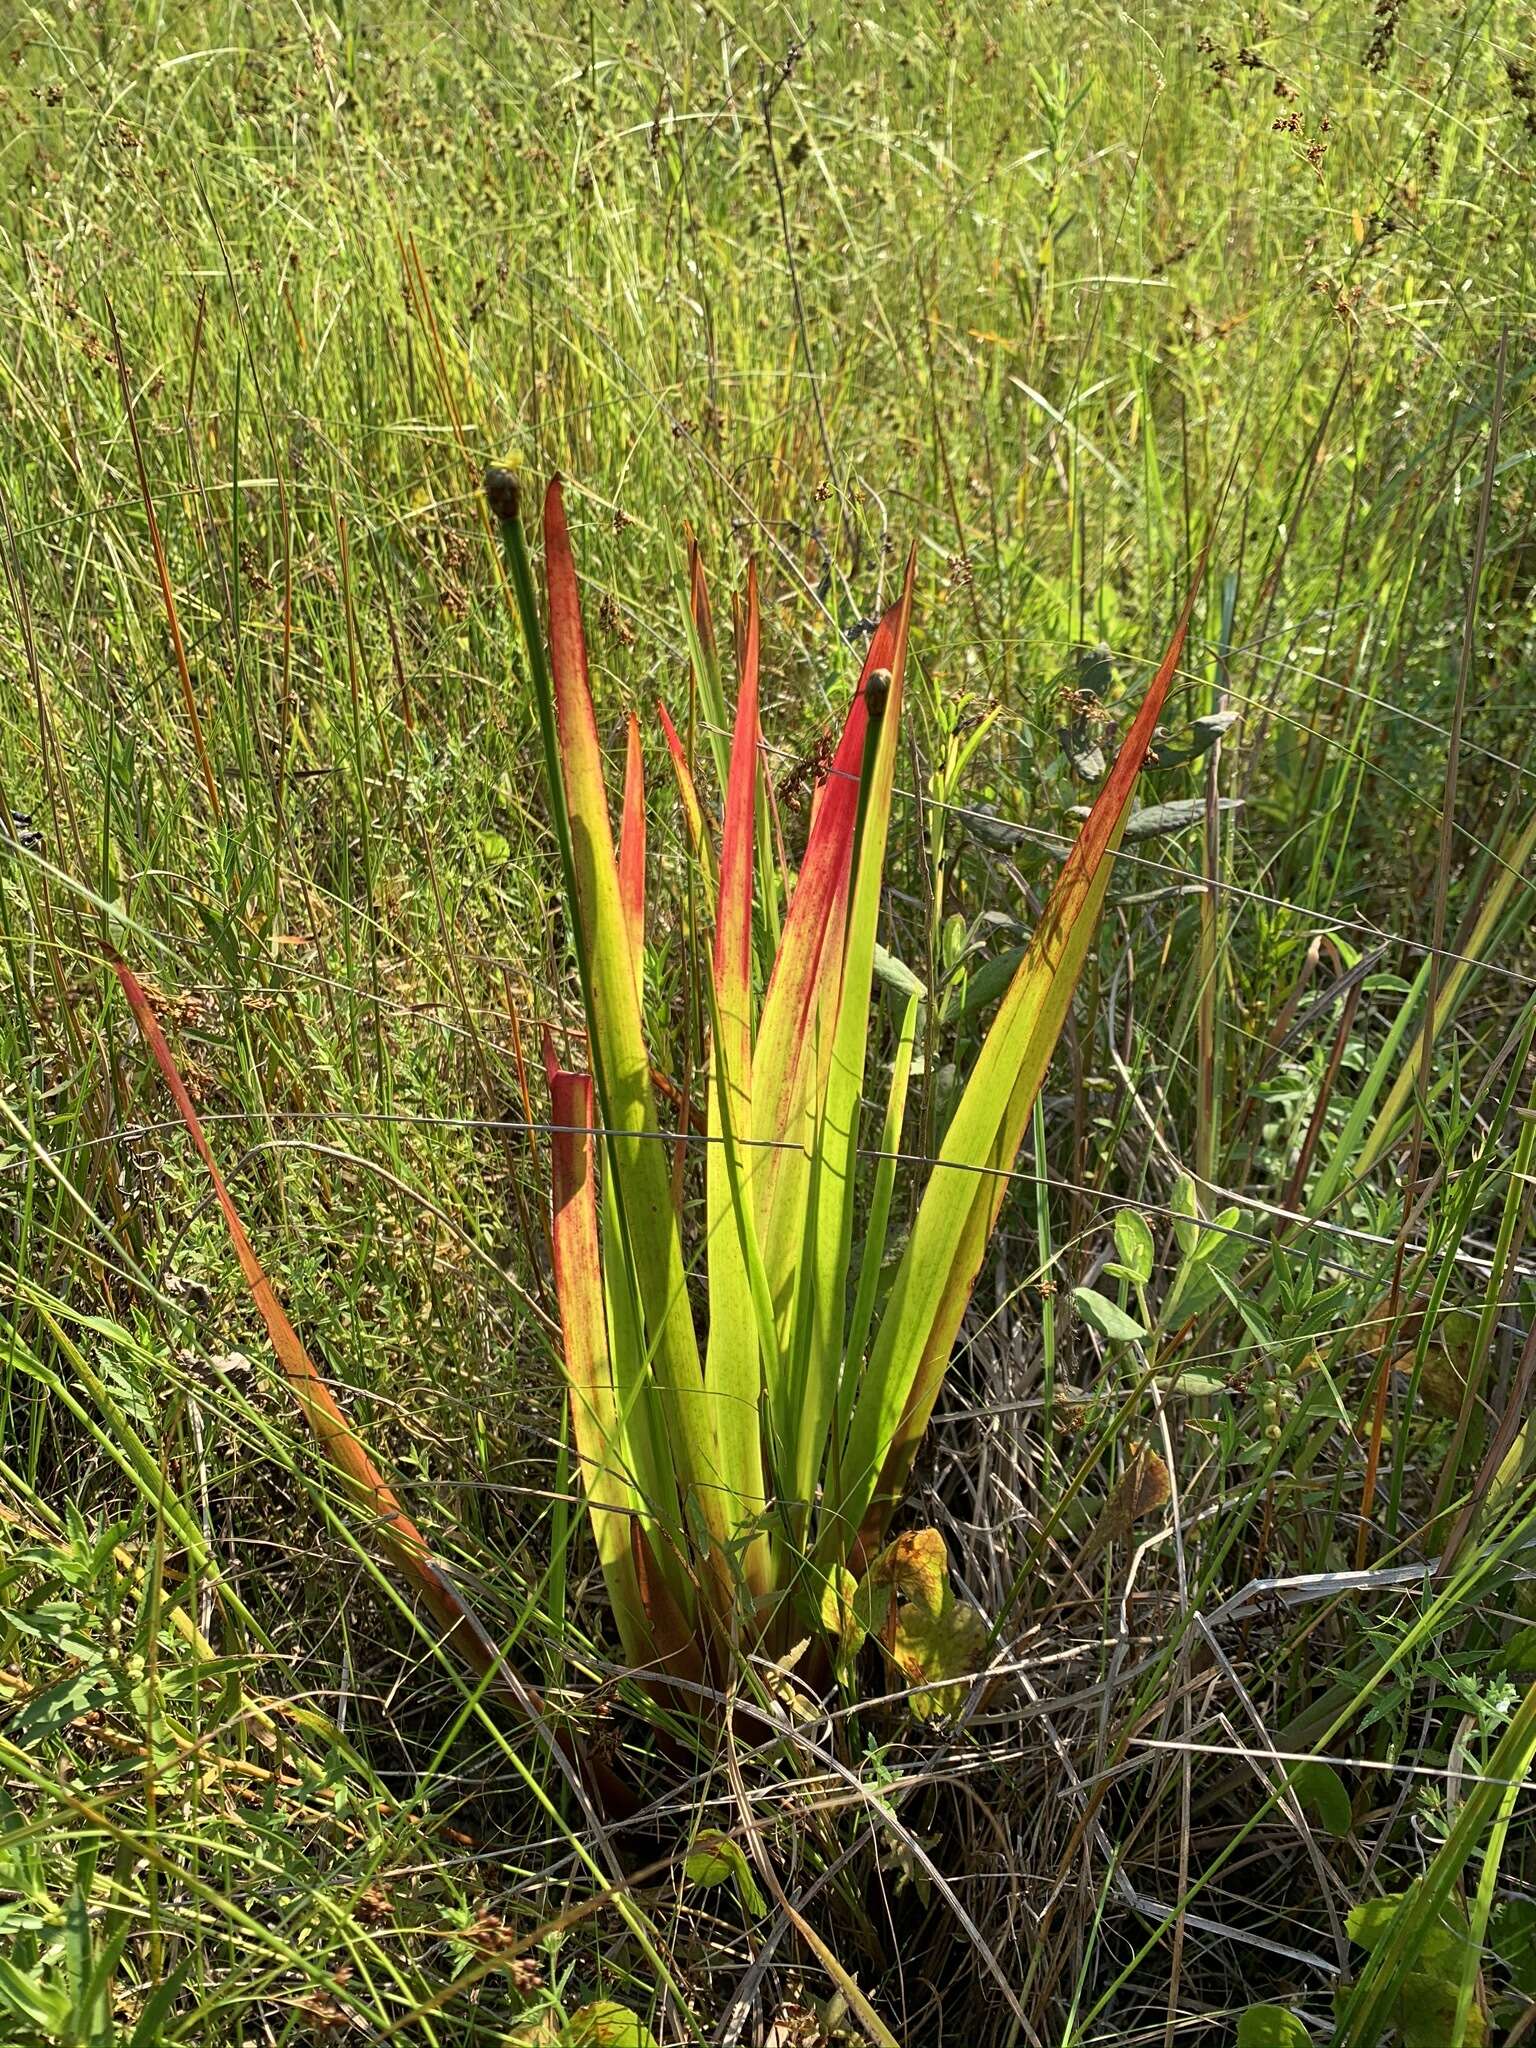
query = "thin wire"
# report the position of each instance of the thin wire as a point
(1060, 841)
(692, 1136)
(1322, 918)
(1299, 1756)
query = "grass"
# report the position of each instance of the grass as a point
(1057, 295)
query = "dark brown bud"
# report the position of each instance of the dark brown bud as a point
(876, 690)
(501, 493)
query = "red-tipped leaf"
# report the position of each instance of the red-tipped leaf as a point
(732, 1369)
(403, 1542)
(632, 848)
(970, 1178)
(595, 1423)
(650, 1247)
(794, 1040)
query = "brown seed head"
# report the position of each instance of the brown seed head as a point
(501, 493)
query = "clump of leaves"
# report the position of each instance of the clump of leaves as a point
(1428, 1984)
(741, 1483)
(741, 1479)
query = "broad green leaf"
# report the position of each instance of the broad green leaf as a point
(1133, 1241)
(990, 980)
(717, 1859)
(1369, 1923)
(1223, 1224)
(1323, 1797)
(1519, 1653)
(1159, 821)
(1507, 1478)
(1201, 1384)
(33, 1999)
(1200, 1282)
(1426, 2013)
(897, 975)
(1271, 2026)
(1213, 1252)
(1186, 1213)
(1512, 1937)
(1106, 1317)
(1421, 1956)
(57, 1705)
(1204, 732)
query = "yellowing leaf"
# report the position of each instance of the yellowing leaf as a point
(936, 1642)
(1441, 1382)
(840, 1619)
(915, 1565)
(605, 2024)
(934, 1648)
(539, 2033)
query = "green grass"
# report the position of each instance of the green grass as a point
(1058, 295)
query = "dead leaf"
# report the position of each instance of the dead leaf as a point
(1141, 1489)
